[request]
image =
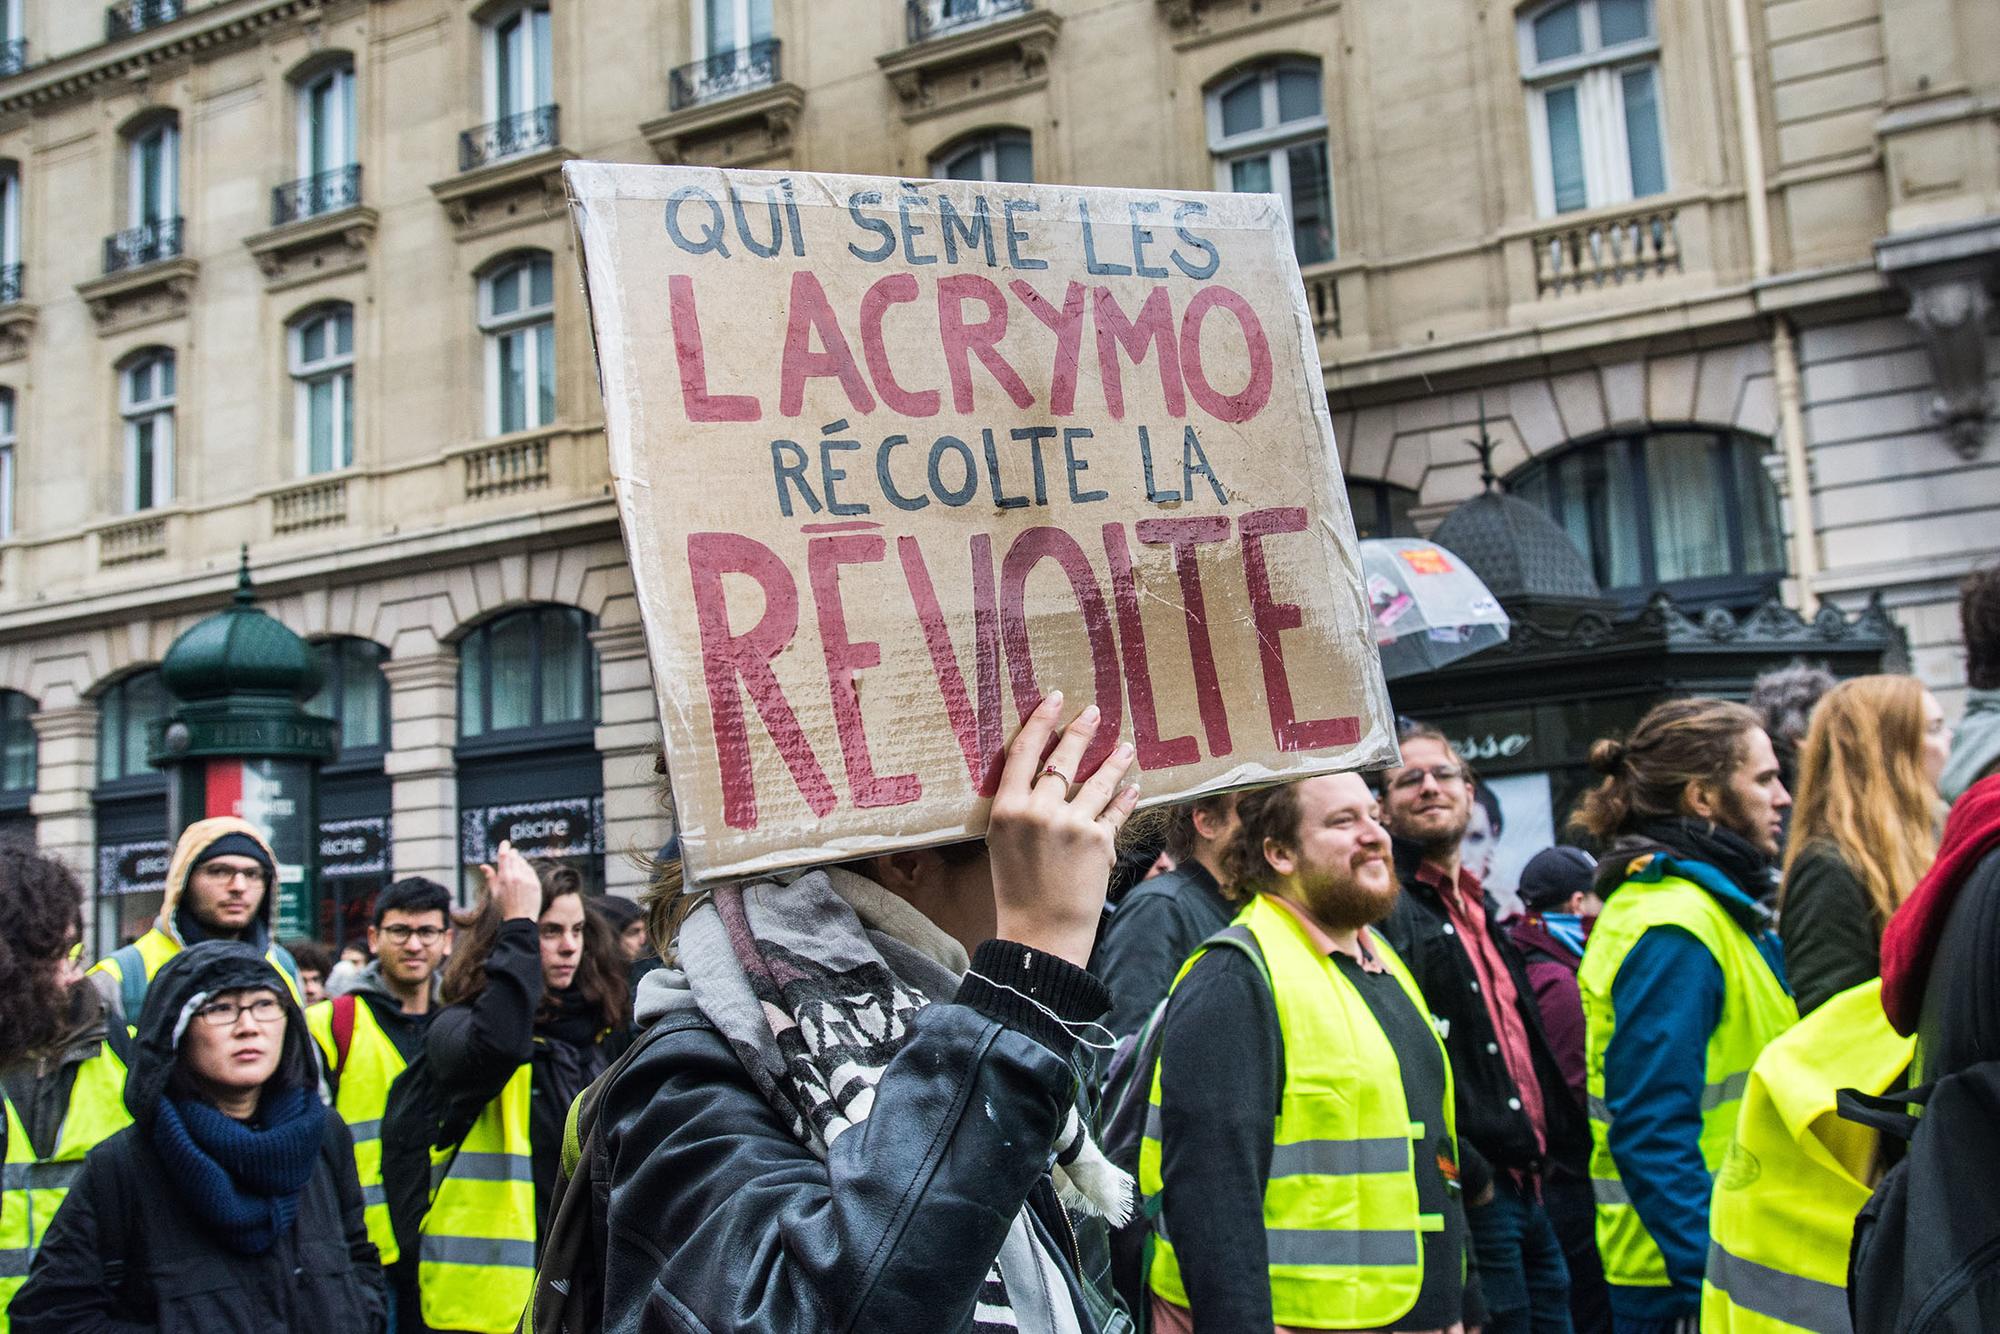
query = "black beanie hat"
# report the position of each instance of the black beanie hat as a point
(239, 845)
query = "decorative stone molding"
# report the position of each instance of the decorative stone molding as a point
(132, 540)
(318, 503)
(513, 192)
(734, 131)
(1950, 274)
(506, 467)
(1196, 22)
(972, 64)
(324, 246)
(144, 295)
(17, 329)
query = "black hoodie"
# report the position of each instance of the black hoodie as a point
(126, 1251)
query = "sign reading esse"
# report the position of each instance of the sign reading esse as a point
(895, 458)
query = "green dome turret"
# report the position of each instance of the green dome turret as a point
(240, 650)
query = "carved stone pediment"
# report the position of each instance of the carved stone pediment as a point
(1195, 22)
(317, 247)
(1951, 274)
(738, 131)
(512, 192)
(139, 296)
(972, 64)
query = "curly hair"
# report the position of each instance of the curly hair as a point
(1646, 775)
(1267, 815)
(600, 975)
(41, 917)
(1784, 697)
(1979, 617)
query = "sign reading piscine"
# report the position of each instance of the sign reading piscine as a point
(895, 458)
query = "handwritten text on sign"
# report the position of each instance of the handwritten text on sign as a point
(895, 458)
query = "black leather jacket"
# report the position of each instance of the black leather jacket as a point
(719, 1220)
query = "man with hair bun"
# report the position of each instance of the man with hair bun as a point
(1683, 985)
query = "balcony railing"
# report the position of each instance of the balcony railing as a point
(132, 540)
(147, 243)
(935, 18)
(310, 196)
(318, 504)
(1589, 255)
(138, 15)
(13, 57)
(10, 284)
(522, 133)
(514, 465)
(724, 74)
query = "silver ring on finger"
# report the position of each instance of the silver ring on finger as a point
(1050, 771)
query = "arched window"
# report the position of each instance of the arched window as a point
(354, 693)
(1592, 70)
(517, 305)
(534, 668)
(126, 713)
(6, 463)
(991, 155)
(1267, 132)
(324, 105)
(17, 744)
(1381, 509)
(1686, 507)
(146, 402)
(321, 346)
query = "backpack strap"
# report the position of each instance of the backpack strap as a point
(131, 982)
(343, 1032)
(1887, 1113)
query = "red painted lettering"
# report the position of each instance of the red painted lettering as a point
(1068, 327)
(1247, 403)
(963, 341)
(1155, 325)
(702, 406)
(1273, 618)
(1153, 752)
(977, 730)
(1030, 549)
(1182, 536)
(811, 314)
(894, 289)
(845, 661)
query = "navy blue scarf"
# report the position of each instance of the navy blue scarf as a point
(242, 1179)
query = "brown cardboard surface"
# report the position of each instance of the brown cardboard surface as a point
(894, 458)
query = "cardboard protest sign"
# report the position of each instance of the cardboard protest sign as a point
(895, 458)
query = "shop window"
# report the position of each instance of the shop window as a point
(355, 694)
(527, 672)
(517, 305)
(321, 352)
(146, 395)
(1381, 509)
(1267, 132)
(991, 155)
(1592, 70)
(17, 747)
(126, 713)
(1687, 509)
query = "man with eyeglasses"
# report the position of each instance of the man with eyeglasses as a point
(368, 1036)
(219, 884)
(1515, 1113)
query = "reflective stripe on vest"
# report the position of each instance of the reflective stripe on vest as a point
(1341, 1152)
(31, 1189)
(476, 1244)
(372, 1066)
(1755, 1009)
(1781, 1220)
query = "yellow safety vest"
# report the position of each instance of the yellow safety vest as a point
(31, 1188)
(1782, 1218)
(152, 951)
(1342, 1225)
(1755, 1009)
(476, 1244)
(372, 1066)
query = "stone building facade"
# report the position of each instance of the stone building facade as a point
(1715, 275)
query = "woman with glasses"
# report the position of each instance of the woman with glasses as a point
(535, 987)
(231, 1201)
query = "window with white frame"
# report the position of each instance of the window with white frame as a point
(322, 362)
(153, 186)
(146, 402)
(326, 121)
(10, 232)
(520, 67)
(517, 315)
(6, 463)
(1592, 68)
(1267, 130)
(730, 25)
(992, 155)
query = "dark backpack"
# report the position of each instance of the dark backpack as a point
(1926, 1256)
(1127, 1097)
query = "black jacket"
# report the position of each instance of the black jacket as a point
(473, 1049)
(1498, 1135)
(1150, 935)
(717, 1219)
(1832, 937)
(1961, 1013)
(125, 1253)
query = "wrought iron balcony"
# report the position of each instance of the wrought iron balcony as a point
(310, 196)
(10, 284)
(724, 74)
(935, 18)
(13, 57)
(133, 16)
(523, 133)
(147, 243)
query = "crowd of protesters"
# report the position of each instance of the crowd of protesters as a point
(1290, 1061)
